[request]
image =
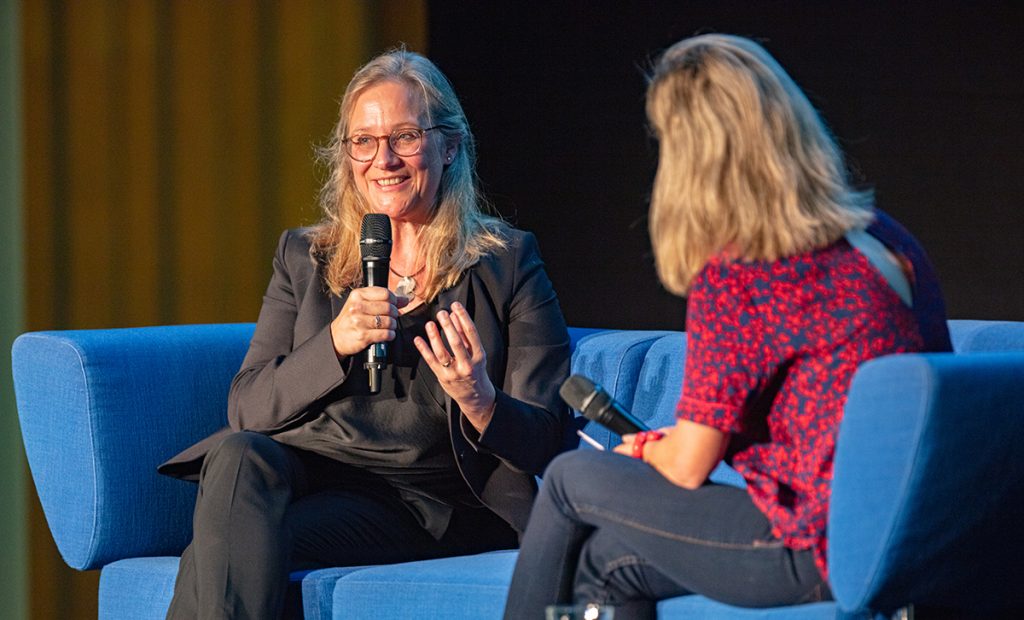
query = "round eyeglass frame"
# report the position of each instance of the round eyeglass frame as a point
(391, 142)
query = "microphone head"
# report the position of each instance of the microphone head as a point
(375, 236)
(576, 391)
(596, 404)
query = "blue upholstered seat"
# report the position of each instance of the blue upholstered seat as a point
(926, 499)
(463, 587)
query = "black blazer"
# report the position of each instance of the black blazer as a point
(291, 369)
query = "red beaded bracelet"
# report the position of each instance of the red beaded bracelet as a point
(641, 438)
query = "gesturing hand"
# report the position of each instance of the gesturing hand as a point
(370, 315)
(462, 371)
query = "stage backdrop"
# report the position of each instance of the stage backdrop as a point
(926, 98)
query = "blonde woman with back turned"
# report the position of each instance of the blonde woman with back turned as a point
(792, 279)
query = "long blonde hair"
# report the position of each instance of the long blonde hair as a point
(458, 234)
(746, 165)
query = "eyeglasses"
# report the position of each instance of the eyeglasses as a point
(403, 142)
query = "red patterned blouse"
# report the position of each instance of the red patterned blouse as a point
(772, 347)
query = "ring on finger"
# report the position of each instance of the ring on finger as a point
(447, 364)
(376, 321)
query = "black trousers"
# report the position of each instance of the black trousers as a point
(265, 509)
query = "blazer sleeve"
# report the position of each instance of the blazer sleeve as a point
(526, 430)
(281, 379)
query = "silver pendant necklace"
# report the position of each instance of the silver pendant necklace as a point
(406, 284)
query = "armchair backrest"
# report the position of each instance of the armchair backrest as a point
(974, 336)
(99, 410)
(929, 470)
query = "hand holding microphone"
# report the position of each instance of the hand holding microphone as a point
(369, 318)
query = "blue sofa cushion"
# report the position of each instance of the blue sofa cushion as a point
(141, 589)
(138, 588)
(318, 591)
(464, 587)
(701, 608)
(659, 381)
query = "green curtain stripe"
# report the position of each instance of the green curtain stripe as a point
(13, 487)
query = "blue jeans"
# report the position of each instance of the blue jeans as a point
(609, 529)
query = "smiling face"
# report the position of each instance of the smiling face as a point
(403, 188)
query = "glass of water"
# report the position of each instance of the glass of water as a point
(589, 611)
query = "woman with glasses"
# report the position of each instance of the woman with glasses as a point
(793, 280)
(315, 468)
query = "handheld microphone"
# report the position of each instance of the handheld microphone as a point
(596, 404)
(375, 250)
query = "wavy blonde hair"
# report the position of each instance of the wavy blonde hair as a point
(746, 166)
(458, 234)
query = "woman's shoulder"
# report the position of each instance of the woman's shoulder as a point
(297, 237)
(892, 233)
(503, 229)
(516, 237)
(728, 276)
(516, 244)
(296, 240)
(294, 248)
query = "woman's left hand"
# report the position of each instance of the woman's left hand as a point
(685, 454)
(627, 447)
(462, 371)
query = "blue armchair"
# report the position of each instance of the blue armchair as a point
(926, 500)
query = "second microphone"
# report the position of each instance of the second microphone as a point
(596, 404)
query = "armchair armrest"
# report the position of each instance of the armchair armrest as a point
(927, 496)
(100, 409)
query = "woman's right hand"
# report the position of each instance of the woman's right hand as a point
(370, 315)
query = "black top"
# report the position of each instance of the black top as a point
(291, 375)
(400, 434)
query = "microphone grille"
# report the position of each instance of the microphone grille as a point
(375, 236)
(576, 390)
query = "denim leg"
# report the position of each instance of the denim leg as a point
(546, 566)
(620, 532)
(611, 573)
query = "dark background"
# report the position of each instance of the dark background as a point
(927, 100)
